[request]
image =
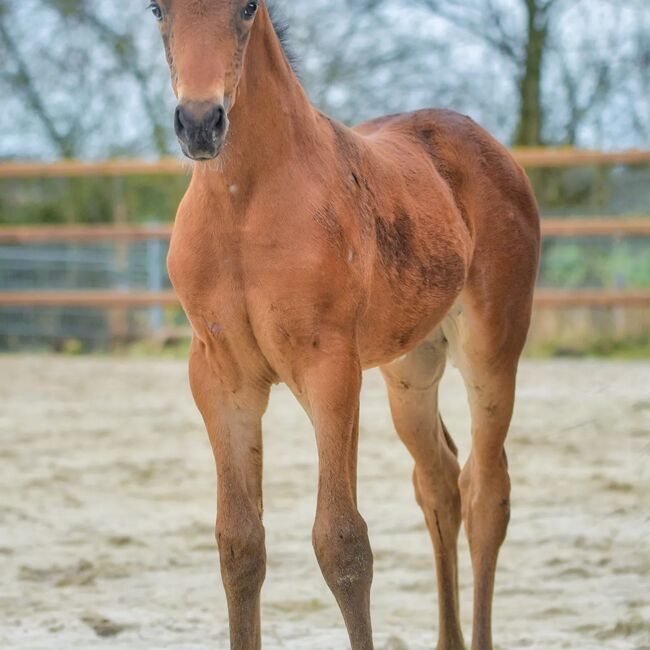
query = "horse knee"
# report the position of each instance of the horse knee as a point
(343, 552)
(243, 556)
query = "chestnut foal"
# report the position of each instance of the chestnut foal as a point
(310, 251)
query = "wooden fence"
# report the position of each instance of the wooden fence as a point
(544, 298)
(551, 227)
(602, 227)
(530, 158)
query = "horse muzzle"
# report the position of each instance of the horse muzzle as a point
(201, 128)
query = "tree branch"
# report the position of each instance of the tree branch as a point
(22, 81)
(477, 28)
(125, 52)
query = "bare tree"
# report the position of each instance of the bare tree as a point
(81, 80)
(577, 44)
(17, 75)
(89, 79)
(122, 45)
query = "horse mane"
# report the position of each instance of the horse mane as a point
(281, 27)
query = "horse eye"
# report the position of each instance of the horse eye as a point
(250, 10)
(156, 11)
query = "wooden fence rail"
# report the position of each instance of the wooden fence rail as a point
(530, 158)
(551, 227)
(81, 298)
(544, 298)
(82, 234)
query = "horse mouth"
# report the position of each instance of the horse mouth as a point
(201, 154)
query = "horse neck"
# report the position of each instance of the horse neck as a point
(272, 119)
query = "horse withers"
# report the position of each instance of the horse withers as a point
(305, 252)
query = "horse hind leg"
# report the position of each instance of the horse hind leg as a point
(486, 350)
(412, 384)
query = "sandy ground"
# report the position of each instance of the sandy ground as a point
(107, 510)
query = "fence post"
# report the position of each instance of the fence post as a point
(154, 278)
(620, 284)
(118, 316)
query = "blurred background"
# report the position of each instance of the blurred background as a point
(565, 83)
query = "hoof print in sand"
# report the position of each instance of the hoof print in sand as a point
(102, 626)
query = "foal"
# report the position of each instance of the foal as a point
(310, 251)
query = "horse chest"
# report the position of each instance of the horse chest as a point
(247, 304)
(208, 278)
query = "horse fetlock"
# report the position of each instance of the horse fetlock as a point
(344, 555)
(451, 639)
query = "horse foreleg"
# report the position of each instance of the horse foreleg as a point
(340, 535)
(234, 426)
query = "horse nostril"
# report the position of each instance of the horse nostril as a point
(218, 119)
(201, 128)
(179, 126)
(200, 117)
